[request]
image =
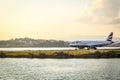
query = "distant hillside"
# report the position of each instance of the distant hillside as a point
(28, 42)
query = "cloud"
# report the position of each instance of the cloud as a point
(102, 12)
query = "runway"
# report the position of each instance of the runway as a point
(52, 48)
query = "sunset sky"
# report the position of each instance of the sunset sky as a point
(59, 19)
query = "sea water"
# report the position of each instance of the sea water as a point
(59, 69)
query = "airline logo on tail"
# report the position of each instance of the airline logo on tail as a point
(110, 37)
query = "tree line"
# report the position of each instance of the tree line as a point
(29, 42)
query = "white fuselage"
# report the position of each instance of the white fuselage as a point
(92, 44)
(89, 43)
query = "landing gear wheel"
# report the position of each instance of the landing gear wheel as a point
(95, 48)
(75, 48)
(88, 48)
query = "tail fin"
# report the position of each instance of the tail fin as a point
(109, 38)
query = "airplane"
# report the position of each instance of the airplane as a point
(92, 44)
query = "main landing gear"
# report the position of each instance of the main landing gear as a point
(88, 48)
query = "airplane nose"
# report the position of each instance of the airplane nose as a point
(70, 44)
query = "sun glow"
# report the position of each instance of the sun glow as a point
(46, 19)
